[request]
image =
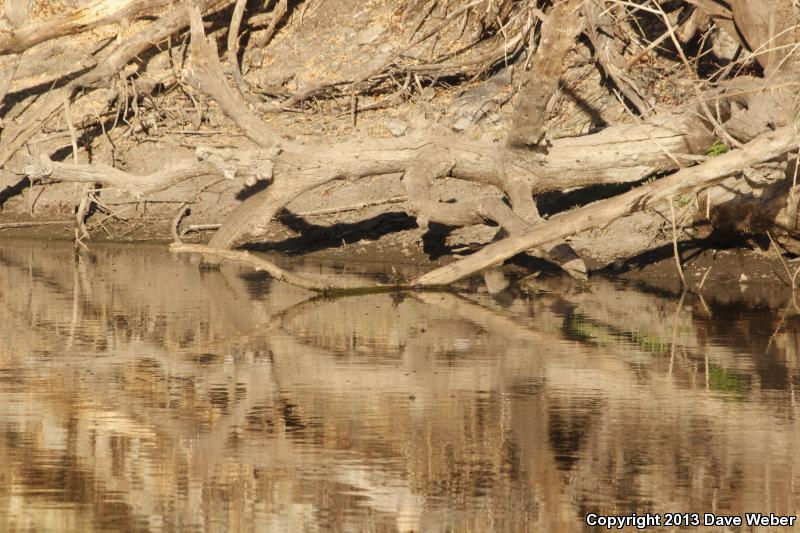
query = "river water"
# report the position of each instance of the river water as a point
(141, 393)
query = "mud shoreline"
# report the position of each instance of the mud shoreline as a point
(753, 275)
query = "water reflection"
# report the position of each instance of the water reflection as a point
(142, 393)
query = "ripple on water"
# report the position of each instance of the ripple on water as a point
(141, 393)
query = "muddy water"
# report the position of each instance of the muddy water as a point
(140, 393)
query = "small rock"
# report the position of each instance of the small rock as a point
(743, 278)
(396, 127)
(428, 93)
(370, 34)
(419, 121)
(462, 124)
(256, 56)
(723, 45)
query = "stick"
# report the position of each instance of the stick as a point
(176, 221)
(783, 262)
(703, 281)
(233, 34)
(675, 251)
(199, 227)
(768, 146)
(12, 225)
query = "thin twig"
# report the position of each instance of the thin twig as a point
(703, 281)
(675, 243)
(783, 261)
(12, 225)
(176, 221)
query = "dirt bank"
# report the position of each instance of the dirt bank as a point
(587, 134)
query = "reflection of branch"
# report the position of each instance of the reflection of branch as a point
(459, 306)
(278, 273)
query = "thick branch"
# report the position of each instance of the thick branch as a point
(765, 148)
(137, 185)
(619, 154)
(206, 75)
(85, 18)
(558, 35)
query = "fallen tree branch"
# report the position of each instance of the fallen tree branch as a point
(111, 63)
(207, 76)
(764, 148)
(138, 186)
(32, 223)
(615, 155)
(559, 33)
(83, 19)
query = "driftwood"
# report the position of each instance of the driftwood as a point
(765, 148)
(83, 19)
(626, 154)
(558, 36)
(757, 115)
(264, 265)
(138, 186)
(768, 147)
